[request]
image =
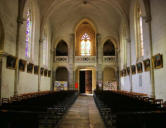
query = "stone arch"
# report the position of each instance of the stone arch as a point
(112, 39)
(108, 48)
(90, 21)
(61, 74)
(109, 74)
(62, 48)
(85, 26)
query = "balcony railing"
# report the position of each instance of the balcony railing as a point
(85, 59)
(61, 59)
(109, 59)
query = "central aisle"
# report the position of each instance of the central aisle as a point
(82, 114)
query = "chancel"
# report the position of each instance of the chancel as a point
(82, 63)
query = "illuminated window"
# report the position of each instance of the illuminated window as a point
(139, 32)
(85, 45)
(45, 49)
(28, 41)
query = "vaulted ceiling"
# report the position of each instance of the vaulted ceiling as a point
(63, 15)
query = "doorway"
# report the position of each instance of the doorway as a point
(86, 81)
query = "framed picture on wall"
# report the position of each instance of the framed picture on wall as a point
(124, 72)
(121, 73)
(146, 65)
(11, 62)
(36, 69)
(41, 71)
(157, 61)
(133, 69)
(45, 72)
(30, 68)
(49, 73)
(128, 70)
(139, 67)
(22, 65)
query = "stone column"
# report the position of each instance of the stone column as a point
(39, 59)
(130, 59)
(148, 21)
(71, 61)
(99, 58)
(52, 66)
(71, 79)
(20, 20)
(117, 53)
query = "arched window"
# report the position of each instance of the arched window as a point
(45, 47)
(139, 31)
(28, 41)
(85, 42)
(123, 45)
(85, 45)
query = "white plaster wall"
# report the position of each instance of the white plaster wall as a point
(7, 83)
(125, 83)
(29, 82)
(8, 15)
(45, 84)
(141, 82)
(158, 9)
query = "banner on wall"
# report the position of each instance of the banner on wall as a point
(60, 85)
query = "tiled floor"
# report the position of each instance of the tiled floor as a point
(82, 114)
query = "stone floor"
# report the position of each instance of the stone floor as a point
(82, 114)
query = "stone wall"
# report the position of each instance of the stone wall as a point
(142, 82)
(27, 82)
(159, 45)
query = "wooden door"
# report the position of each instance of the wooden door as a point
(88, 81)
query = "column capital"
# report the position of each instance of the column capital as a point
(20, 20)
(147, 18)
(40, 40)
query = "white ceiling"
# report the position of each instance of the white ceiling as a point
(65, 14)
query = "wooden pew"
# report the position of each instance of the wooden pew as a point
(113, 104)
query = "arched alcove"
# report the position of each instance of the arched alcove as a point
(61, 79)
(62, 49)
(109, 79)
(61, 74)
(108, 49)
(85, 44)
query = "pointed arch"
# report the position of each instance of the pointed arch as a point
(61, 74)
(62, 48)
(108, 48)
(30, 28)
(138, 21)
(85, 46)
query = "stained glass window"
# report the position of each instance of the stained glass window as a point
(45, 49)
(85, 45)
(28, 34)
